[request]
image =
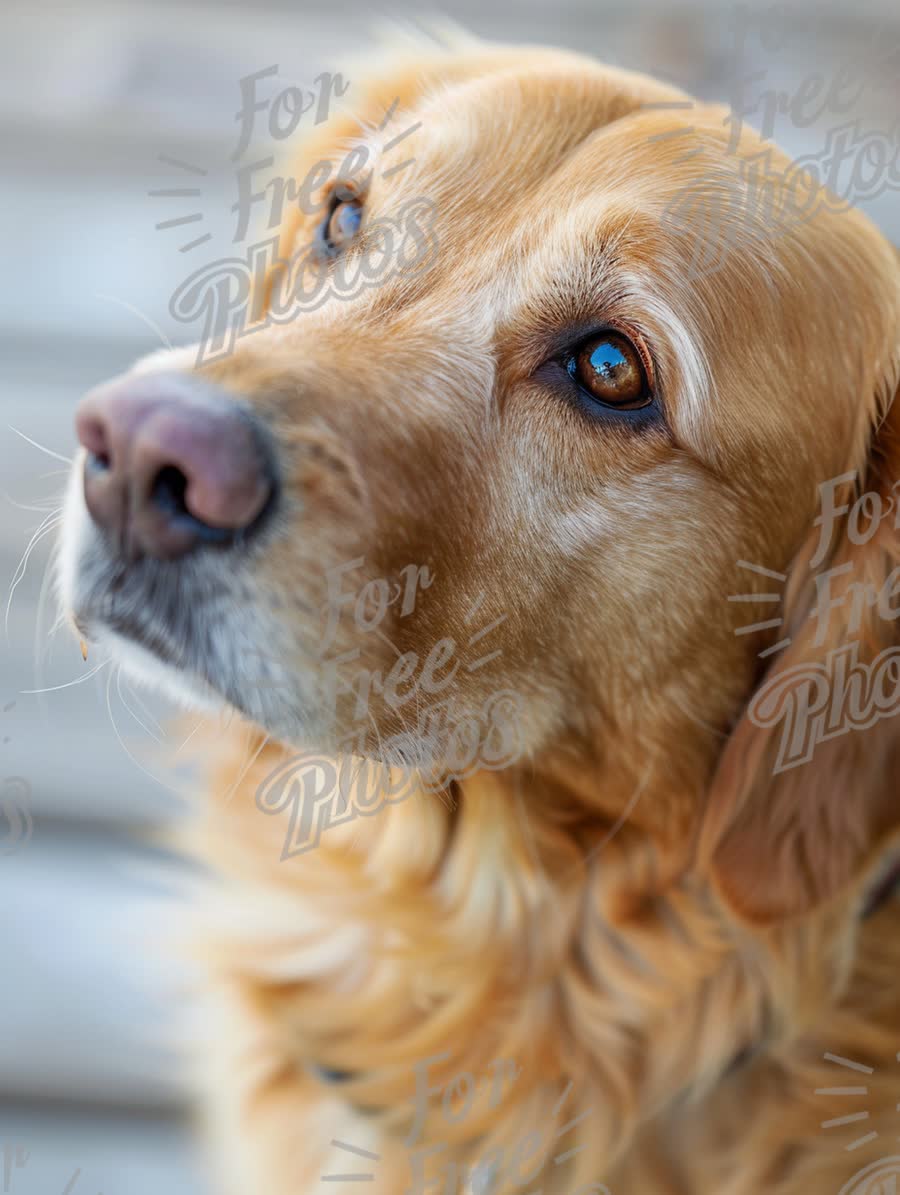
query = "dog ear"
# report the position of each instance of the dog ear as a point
(807, 790)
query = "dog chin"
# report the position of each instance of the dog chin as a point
(189, 692)
(193, 694)
(300, 727)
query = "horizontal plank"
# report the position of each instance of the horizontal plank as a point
(42, 1148)
(95, 1003)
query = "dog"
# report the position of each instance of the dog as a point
(532, 530)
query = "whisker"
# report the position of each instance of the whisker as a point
(232, 789)
(140, 314)
(130, 710)
(47, 525)
(379, 634)
(142, 705)
(67, 460)
(620, 821)
(188, 739)
(701, 722)
(137, 763)
(41, 508)
(46, 583)
(68, 685)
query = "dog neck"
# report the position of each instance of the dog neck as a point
(402, 934)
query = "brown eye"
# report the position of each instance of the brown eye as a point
(611, 370)
(342, 223)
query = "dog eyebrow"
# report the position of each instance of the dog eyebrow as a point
(595, 278)
(696, 387)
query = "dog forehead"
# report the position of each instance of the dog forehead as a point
(513, 129)
(575, 162)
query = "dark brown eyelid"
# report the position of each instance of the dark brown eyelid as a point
(640, 347)
(570, 338)
(568, 341)
(344, 191)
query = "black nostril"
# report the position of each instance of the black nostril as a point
(98, 462)
(168, 494)
(168, 491)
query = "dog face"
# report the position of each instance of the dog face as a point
(529, 464)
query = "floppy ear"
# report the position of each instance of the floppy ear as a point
(807, 790)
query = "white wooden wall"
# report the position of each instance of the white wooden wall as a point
(90, 95)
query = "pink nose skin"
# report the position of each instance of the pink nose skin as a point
(172, 465)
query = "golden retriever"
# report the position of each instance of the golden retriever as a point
(530, 529)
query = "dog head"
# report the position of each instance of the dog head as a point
(573, 366)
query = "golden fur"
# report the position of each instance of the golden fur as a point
(639, 906)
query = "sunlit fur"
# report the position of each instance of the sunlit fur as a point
(639, 906)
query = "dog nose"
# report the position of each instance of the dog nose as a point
(172, 465)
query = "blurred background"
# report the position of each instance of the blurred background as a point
(92, 97)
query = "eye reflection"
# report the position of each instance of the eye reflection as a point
(342, 223)
(611, 370)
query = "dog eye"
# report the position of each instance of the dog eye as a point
(611, 370)
(342, 223)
